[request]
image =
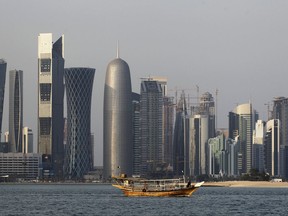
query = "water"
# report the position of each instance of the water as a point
(89, 199)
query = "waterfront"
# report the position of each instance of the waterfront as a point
(97, 199)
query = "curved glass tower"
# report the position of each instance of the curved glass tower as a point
(117, 120)
(3, 66)
(79, 85)
(15, 110)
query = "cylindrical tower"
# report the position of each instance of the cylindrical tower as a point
(79, 85)
(117, 120)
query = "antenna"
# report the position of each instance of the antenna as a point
(117, 52)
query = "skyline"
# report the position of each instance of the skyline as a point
(187, 42)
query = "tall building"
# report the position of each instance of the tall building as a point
(136, 134)
(258, 146)
(50, 103)
(78, 157)
(241, 123)
(15, 110)
(3, 66)
(216, 146)
(180, 146)
(272, 147)
(27, 140)
(151, 115)
(117, 120)
(280, 111)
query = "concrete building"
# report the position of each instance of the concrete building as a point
(27, 141)
(78, 157)
(15, 110)
(50, 103)
(117, 120)
(272, 147)
(3, 66)
(20, 166)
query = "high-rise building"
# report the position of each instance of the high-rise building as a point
(136, 134)
(15, 110)
(117, 120)
(151, 115)
(50, 103)
(27, 141)
(280, 111)
(78, 157)
(216, 146)
(241, 123)
(258, 146)
(180, 146)
(272, 147)
(3, 66)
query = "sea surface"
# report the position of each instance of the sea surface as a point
(98, 199)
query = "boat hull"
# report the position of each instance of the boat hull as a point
(170, 193)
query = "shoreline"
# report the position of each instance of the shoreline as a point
(259, 184)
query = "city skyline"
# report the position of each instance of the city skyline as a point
(238, 47)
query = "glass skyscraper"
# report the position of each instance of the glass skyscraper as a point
(3, 66)
(50, 103)
(15, 110)
(78, 158)
(117, 120)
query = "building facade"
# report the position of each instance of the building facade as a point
(78, 157)
(272, 147)
(258, 146)
(27, 140)
(15, 110)
(151, 115)
(117, 120)
(136, 134)
(3, 66)
(50, 103)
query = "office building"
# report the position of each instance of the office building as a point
(136, 134)
(117, 120)
(78, 157)
(272, 147)
(3, 66)
(258, 146)
(151, 115)
(15, 110)
(216, 146)
(280, 111)
(50, 103)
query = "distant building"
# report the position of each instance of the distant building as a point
(50, 103)
(4, 147)
(78, 157)
(233, 160)
(21, 166)
(117, 120)
(216, 146)
(6, 136)
(272, 147)
(3, 66)
(151, 115)
(280, 111)
(258, 146)
(136, 134)
(27, 141)
(241, 123)
(15, 110)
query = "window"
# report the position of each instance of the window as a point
(45, 65)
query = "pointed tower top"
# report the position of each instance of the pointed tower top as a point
(117, 54)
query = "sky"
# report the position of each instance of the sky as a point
(239, 47)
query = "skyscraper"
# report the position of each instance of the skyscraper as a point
(136, 134)
(241, 123)
(258, 146)
(78, 158)
(272, 147)
(151, 115)
(27, 140)
(3, 66)
(50, 103)
(280, 111)
(15, 110)
(117, 120)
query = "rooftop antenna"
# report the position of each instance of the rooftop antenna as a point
(117, 54)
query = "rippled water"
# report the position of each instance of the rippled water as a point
(88, 199)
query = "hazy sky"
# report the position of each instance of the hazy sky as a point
(239, 47)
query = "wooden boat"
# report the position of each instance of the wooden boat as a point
(155, 188)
